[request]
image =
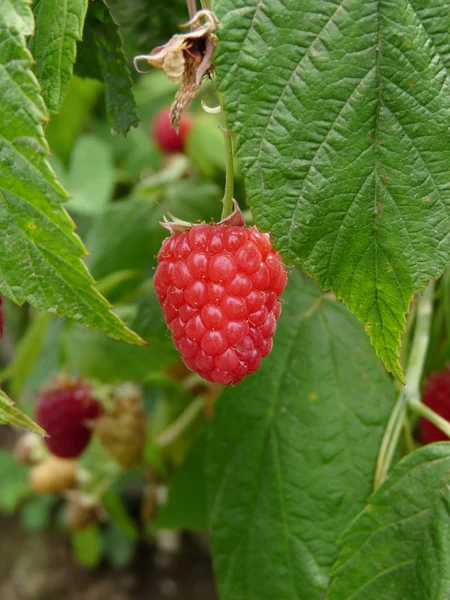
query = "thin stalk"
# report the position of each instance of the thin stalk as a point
(430, 415)
(229, 177)
(411, 392)
(184, 421)
(408, 436)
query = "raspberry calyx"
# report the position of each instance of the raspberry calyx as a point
(218, 285)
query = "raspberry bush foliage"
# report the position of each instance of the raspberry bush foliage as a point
(271, 365)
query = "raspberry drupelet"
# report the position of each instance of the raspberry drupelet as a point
(218, 286)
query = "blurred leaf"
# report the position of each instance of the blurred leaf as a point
(91, 176)
(35, 514)
(10, 415)
(50, 360)
(119, 547)
(118, 514)
(87, 545)
(41, 255)
(14, 482)
(101, 57)
(186, 504)
(145, 25)
(292, 451)
(122, 237)
(400, 542)
(58, 27)
(27, 352)
(92, 354)
(64, 128)
(205, 146)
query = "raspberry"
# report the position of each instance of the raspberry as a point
(437, 397)
(53, 475)
(65, 409)
(166, 138)
(218, 286)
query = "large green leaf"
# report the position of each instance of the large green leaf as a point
(292, 452)
(40, 257)
(342, 110)
(59, 24)
(398, 547)
(101, 57)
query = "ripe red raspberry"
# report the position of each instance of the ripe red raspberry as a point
(166, 138)
(218, 286)
(65, 409)
(437, 397)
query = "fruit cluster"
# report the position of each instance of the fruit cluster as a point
(218, 286)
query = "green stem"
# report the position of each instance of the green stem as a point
(430, 415)
(408, 436)
(229, 178)
(184, 421)
(411, 392)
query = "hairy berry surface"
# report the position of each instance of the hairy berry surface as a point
(218, 287)
(65, 410)
(166, 138)
(437, 397)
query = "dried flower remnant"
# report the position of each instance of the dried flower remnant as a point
(187, 56)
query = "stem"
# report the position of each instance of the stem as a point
(192, 8)
(430, 415)
(408, 436)
(410, 393)
(229, 177)
(173, 432)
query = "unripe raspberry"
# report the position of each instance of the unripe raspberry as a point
(437, 397)
(65, 410)
(218, 286)
(166, 138)
(53, 476)
(123, 429)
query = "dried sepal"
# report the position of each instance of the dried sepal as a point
(186, 56)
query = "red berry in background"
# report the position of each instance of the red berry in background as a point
(437, 397)
(166, 138)
(65, 409)
(218, 286)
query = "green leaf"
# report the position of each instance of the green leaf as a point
(58, 27)
(93, 355)
(118, 514)
(87, 545)
(40, 258)
(36, 513)
(91, 176)
(292, 451)
(65, 127)
(342, 113)
(10, 415)
(186, 504)
(14, 477)
(101, 57)
(28, 352)
(398, 547)
(119, 547)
